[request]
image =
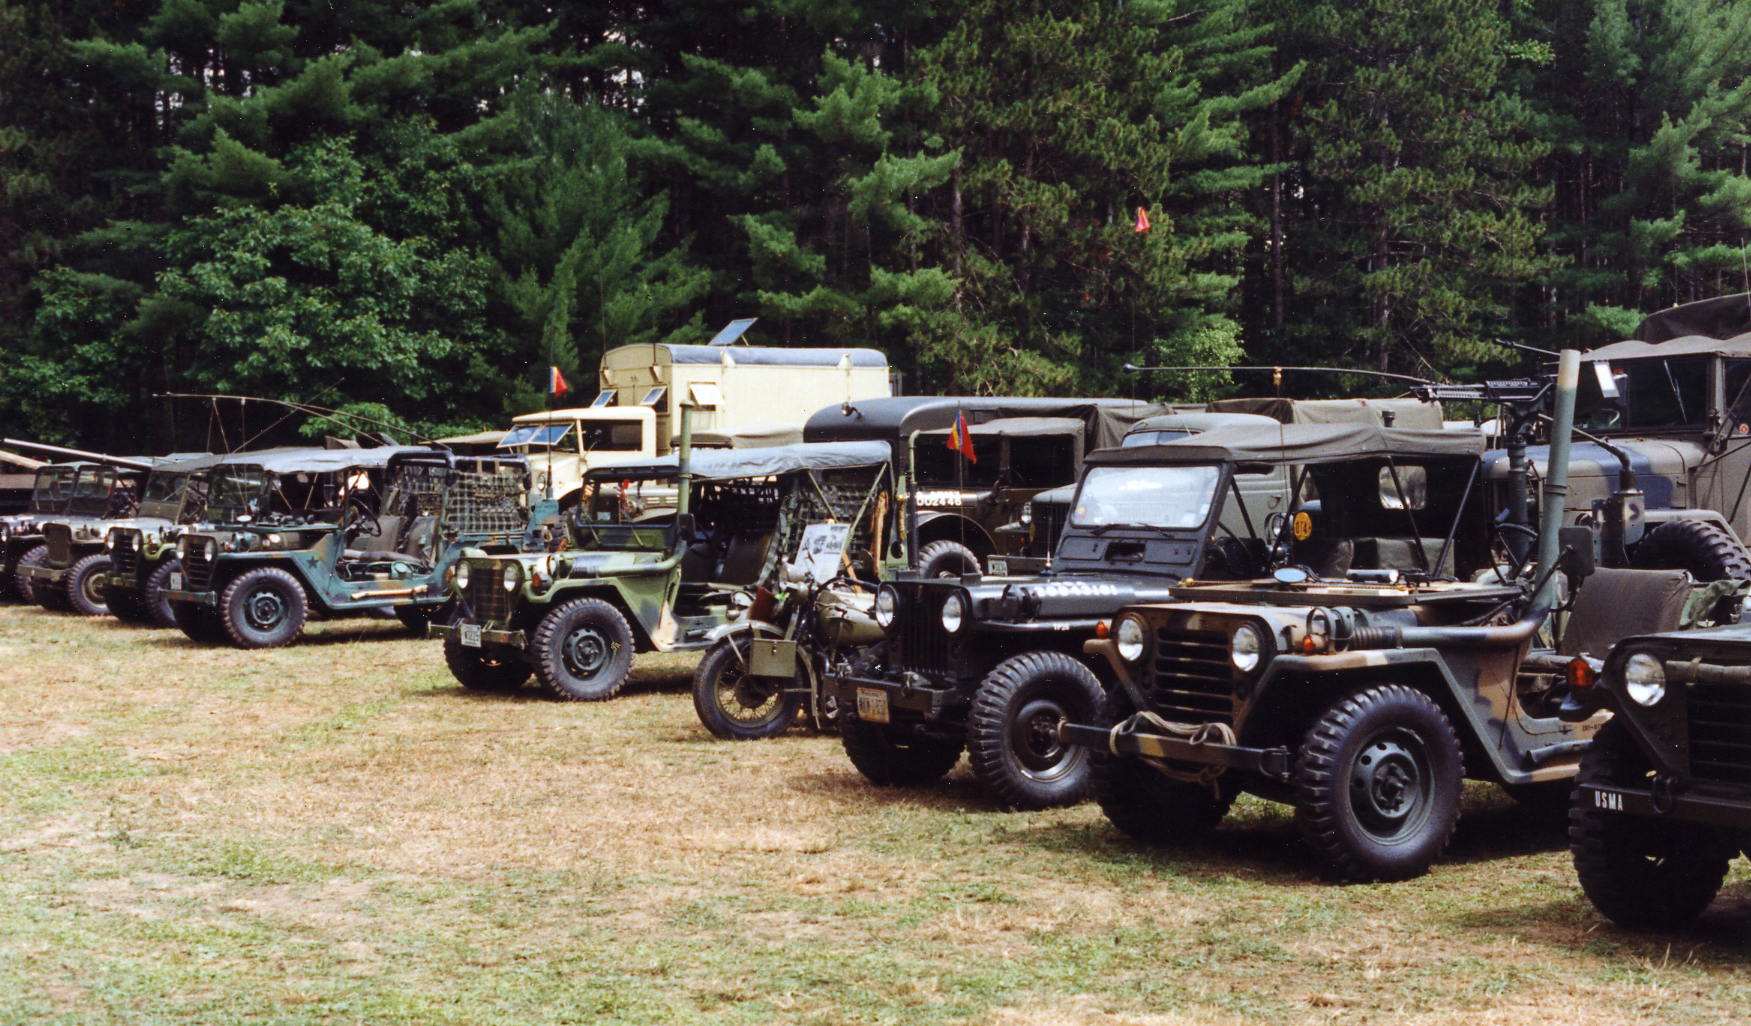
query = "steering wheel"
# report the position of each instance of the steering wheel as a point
(359, 514)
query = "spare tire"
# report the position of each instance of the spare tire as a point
(1709, 551)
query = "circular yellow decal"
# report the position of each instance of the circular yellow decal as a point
(1302, 526)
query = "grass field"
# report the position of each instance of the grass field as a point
(337, 833)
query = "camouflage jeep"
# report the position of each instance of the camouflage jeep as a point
(259, 570)
(628, 582)
(142, 549)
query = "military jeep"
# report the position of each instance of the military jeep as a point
(141, 550)
(1663, 800)
(301, 533)
(992, 664)
(628, 580)
(1362, 685)
(70, 572)
(21, 535)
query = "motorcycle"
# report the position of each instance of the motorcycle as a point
(767, 667)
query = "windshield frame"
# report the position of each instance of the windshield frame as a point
(1221, 472)
(52, 488)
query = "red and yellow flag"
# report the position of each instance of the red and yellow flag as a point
(556, 385)
(1142, 220)
(960, 439)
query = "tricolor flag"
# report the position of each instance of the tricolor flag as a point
(960, 439)
(556, 385)
(1142, 220)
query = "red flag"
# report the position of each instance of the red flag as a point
(556, 382)
(961, 440)
(1142, 220)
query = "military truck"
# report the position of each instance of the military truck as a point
(21, 536)
(1663, 800)
(958, 508)
(1362, 685)
(335, 533)
(631, 580)
(741, 396)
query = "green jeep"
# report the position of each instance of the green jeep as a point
(627, 581)
(141, 549)
(21, 534)
(69, 574)
(301, 534)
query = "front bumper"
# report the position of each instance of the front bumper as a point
(488, 635)
(1271, 763)
(199, 598)
(912, 693)
(1684, 808)
(52, 575)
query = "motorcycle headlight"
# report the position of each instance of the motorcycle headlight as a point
(887, 606)
(513, 576)
(954, 613)
(1245, 648)
(1128, 636)
(462, 577)
(1644, 678)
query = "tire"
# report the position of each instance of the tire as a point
(1012, 729)
(263, 608)
(1377, 783)
(127, 605)
(1643, 874)
(892, 756)
(947, 559)
(156, 605)
(735, 706)
(483, 669)
(86, 587)
(1709, 551)
(23, 586)
(582, 651)
(1144, 803)
(198, 622)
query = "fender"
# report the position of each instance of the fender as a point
(724, 630)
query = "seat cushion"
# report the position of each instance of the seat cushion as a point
(1615, 604)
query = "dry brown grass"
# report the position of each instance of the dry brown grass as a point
(336, 832)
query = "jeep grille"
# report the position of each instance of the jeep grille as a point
(197, 569)
(60, 540)
(1188, 678)
(924, 645)
(124, 559)
(1720, 733)
(487, 598)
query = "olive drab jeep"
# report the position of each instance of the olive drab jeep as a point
(70, 574)
(992, 664)
(964, 503)
(628, 581)
(335, 533)
(142, 549)
(1662, 804)
(1364, 683)
(21, 535)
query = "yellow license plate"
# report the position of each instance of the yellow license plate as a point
(872, 705)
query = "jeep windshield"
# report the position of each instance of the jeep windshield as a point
(236, 491)
(590, 436)
(1175, 498)
(164, 495)
(91, 490)
(53, 487)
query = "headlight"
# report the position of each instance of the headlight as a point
(272, 540)
(1245, 648)
(462, 576)
(211, 548)
(887, 606)
(513, 576)
(954, 611)
(109, 542)
(1644, 678)
(1128, 636)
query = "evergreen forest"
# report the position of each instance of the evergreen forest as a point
(409, 209)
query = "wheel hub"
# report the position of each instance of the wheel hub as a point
(585, 652)
(94, 588)
(1035, 734)
(750, 693)
(264, 610)
(1388, 785)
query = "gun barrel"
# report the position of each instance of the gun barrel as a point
(80, 454)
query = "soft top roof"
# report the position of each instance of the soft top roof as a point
(187, 463)
(1298, 443)
(1199, 421)
(311, 460)
(894, 417)
(770, 356)
(1024, 426)
(733, 464)
(1720, 325)
(1405, 413)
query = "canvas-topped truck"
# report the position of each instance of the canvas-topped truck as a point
(370, 531)
(630, 580)
(1401, 654)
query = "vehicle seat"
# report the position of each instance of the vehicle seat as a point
(1401, 554)
(1615, 604)
(395, 541)
(745, 558)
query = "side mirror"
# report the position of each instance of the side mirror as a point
(1580, 557)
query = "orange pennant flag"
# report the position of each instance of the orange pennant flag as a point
(1142, 220)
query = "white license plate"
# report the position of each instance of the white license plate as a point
(470, 635)
(872, 705)
(175, 582)
(997, 567)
